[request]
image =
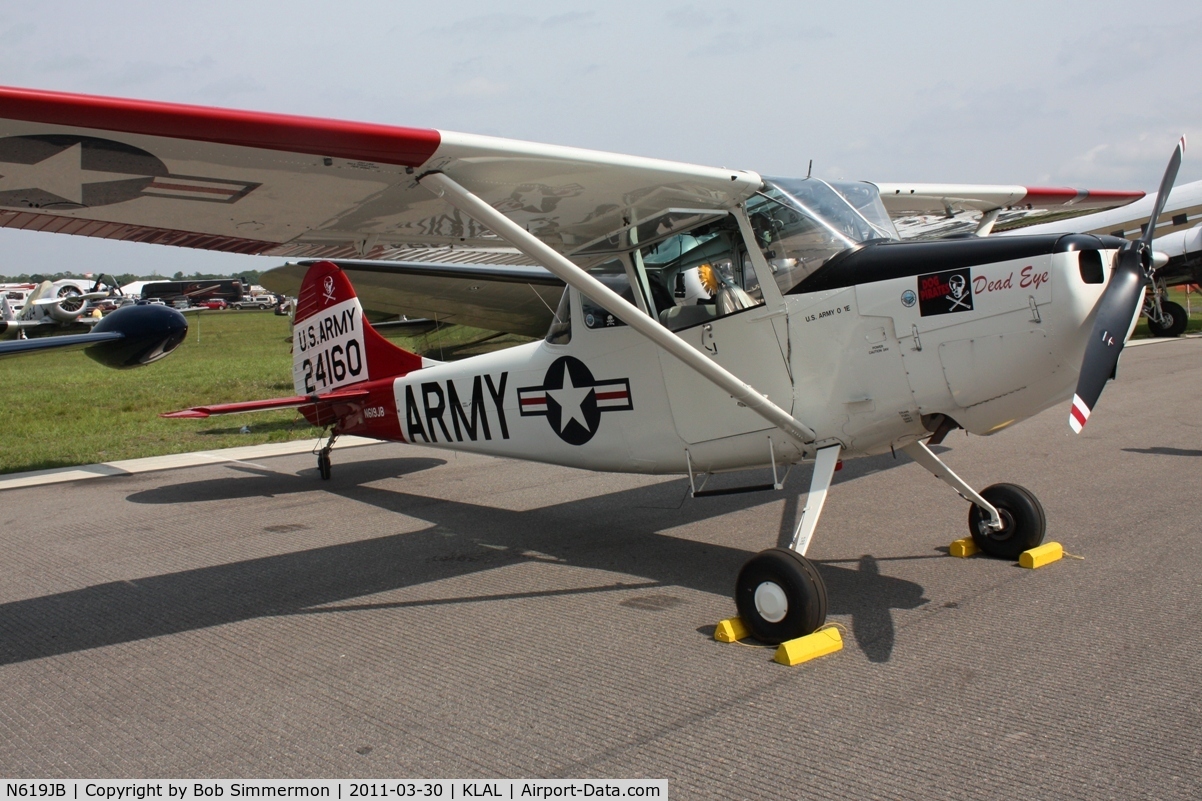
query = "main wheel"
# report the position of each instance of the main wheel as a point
(323, 465)
(1173, 320)
(780, 596)
(1023, 521)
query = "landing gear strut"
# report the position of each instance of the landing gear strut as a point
(323, 458)
(779, 593)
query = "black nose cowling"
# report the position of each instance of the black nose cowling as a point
(148, 334)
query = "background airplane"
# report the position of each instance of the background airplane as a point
(131, 336)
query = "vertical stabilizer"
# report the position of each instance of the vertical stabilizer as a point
(333, 345)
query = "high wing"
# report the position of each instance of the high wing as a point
(923, 211)
(510, 298)
(303, 187)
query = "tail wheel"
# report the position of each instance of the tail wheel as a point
(1172, 322)
(324, 467)
(780, 596)
(1023, 521)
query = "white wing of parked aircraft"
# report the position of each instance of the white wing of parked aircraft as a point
(290, 186)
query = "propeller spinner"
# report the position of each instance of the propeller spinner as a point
(1119, 305)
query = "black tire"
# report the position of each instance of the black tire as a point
(1174, 322)
(796, 581)
(324, 467)
(1022, 514)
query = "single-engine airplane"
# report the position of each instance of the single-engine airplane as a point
(821, 336)
(46, 313)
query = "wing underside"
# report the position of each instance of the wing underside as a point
(513, 299)
(301, 187)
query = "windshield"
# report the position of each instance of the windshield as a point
(866, 199)
(800, 224)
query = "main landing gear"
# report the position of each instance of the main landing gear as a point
(780, 594)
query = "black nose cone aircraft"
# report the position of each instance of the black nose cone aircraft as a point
(128, 337)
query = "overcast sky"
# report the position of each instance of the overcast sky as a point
(1087, 94)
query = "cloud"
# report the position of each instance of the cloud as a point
(569, 19)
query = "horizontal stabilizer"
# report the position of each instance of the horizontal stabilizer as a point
(267, 405)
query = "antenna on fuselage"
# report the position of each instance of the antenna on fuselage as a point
(810, 170)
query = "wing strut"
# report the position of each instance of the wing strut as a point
(471, 205)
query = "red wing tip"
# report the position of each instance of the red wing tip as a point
(1067, 196)
(186, 413)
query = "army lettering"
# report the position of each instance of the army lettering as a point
(441, 410)
(330, 347)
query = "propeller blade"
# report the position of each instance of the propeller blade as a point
(1119, 305)
(1116, 311)
(1162, 194)
(84, 298)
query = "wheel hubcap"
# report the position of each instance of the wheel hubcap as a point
(1007, 530)
(771, 602)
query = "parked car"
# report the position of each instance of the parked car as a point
(215, 303)
(152, 302)
(254, 302)
(112, 304)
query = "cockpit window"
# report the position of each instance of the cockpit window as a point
(800, 224)
(613, 274)
(701, 275)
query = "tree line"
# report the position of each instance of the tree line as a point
(248, 276)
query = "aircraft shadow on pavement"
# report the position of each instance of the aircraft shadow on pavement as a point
(617, 532)
(261, 482)
(1161, 450)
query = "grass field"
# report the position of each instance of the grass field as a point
(62, 409)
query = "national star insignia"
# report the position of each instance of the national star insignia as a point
(62, 175)
(571, 400)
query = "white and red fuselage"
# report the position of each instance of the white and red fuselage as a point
(985, 332)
